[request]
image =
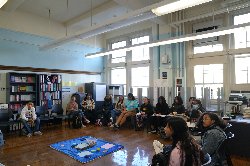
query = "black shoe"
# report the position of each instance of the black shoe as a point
(116, 126)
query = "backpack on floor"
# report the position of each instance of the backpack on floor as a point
(77, 121)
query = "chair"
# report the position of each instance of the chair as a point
(5, 115)
(57, 113)
(40, 112)
(207, 160)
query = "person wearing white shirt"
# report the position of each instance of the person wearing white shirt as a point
(28, 115)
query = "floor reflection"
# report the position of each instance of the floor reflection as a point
(121, 158)
(140, 158)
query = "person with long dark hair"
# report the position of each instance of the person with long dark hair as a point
(131, 105)
(213, 134)
(88, 105)
(157, 121)
(177, 106)
(184, 151)
(119, 106)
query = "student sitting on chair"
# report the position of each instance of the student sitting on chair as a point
(72, 110)
(88, 105)
(146, 110)
(213, 136)
(119, 106)
(28, 116)
(130, 110)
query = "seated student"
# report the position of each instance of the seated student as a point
(177, 106)
(160, 109)
(105, 114)
(28, 114)
(213, 134)
(131, 105)
(146, 111)
(72, 110)
(196, 110)
(184, 149)
(88, 105)
(119, 106)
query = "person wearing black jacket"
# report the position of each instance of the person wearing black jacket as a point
(157, 121)
(146, 111)
(177, 106)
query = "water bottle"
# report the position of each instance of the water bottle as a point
(1, 139)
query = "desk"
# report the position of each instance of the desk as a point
(240, 144)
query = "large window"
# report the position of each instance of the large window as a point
(119, 56)
(140, 79)
(208, 76)
(242, 38)
(208, 48)
(242, 69)
(140, 54)
(118, 76)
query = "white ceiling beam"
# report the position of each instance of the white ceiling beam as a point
(86, 15)
(12, 5)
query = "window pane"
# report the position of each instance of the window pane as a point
(208, 48)
(242, 73)
(241, 39)
(140, 76)
(144, 91)
(139, 54)
(198, 74)
(118, 76)
(118, 56)
(213, 79)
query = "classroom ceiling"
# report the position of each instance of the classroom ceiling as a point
(77, 13)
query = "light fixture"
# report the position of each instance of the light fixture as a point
(178, 39)
(177, 6)
(2, 2)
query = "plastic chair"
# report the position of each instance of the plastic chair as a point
(207, 160)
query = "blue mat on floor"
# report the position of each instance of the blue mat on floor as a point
(86, 148)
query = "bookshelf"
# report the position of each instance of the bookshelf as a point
(50, 90)
(21, 88)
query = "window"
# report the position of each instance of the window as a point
(208, 48)
(119, 56)
(118, 76)
(139, 54)
(242, 69)
(242, 38)
(208, 76)
(140, 79)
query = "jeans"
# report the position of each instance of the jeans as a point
(114, 114)
(27, 126)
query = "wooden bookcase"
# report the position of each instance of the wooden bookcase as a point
(21, 88)
(49, 90)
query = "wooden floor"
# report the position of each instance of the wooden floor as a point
(35, 151)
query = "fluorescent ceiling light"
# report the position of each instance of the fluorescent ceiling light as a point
(176, 6)
(2, 2)
(178, 39)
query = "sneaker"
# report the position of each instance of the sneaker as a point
(83, 126)
(38, 133)
(87, 121)
(29, 135)
(112, 125)
(153, 131)
(116, 126)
